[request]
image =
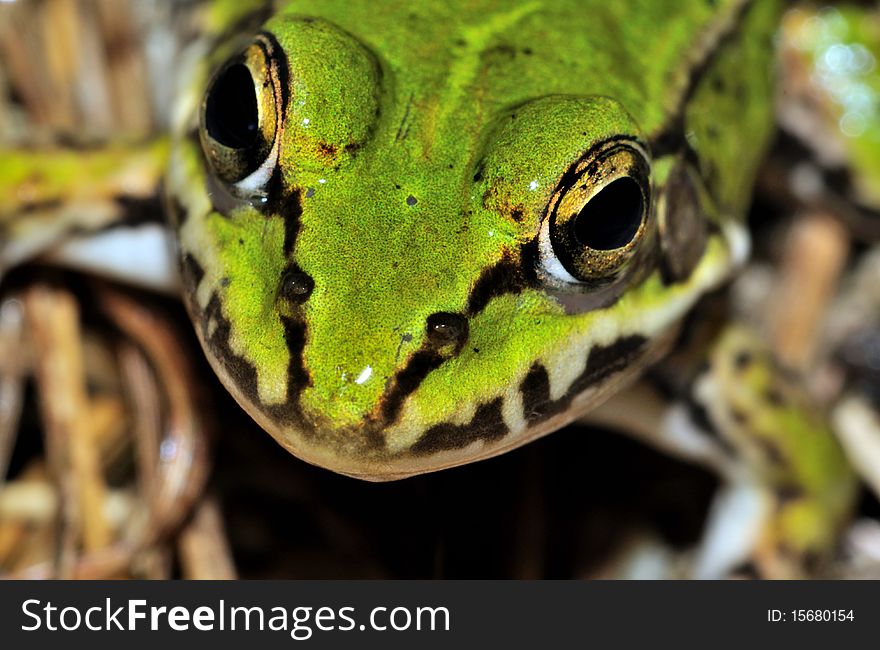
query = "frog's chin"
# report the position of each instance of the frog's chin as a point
(363, 452)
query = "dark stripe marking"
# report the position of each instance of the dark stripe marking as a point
(297, 376)
(535, 389)
(407, 380)
(242, 372)
(505, 276)
(291, 212)
(602, 363)
(487, 425)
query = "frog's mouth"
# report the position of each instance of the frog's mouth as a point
(371, 450)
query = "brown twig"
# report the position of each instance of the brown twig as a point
(814, 258)
(204, 550)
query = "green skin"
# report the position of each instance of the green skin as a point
(416, 155)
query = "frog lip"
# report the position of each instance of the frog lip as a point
(361, 451)
(375, 451)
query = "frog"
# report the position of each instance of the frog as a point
(783, 460)
(411, 238)
(516, 231)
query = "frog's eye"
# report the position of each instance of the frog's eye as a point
(598, 217)
(240, 117)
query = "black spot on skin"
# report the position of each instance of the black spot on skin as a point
(225, 282)
(527, 51)
(296, 286)
(310, 192)
(444, 328)
(405, 382)
(327, 149)
(487, 425)
(240, 241)
(502, 277)
(411, 200)
(535, 389)
(517, 214)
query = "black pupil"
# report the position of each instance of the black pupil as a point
(612, 217)
(231, 110)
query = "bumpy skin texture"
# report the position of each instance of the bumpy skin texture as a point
(420, 151)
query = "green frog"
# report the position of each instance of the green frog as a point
(415, 237)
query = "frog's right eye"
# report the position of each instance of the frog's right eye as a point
(598, 218)
(239, 119)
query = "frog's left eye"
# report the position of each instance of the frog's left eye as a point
(240, 117)
(598, 218)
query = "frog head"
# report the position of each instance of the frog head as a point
(395, 270)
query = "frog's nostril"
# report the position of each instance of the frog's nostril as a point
(296, 286)
(447, 329)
